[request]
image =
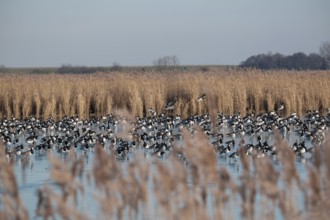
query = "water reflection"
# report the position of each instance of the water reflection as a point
(34, 173)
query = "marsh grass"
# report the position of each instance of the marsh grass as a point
(11, 205)
(196, 188)
(231, 91)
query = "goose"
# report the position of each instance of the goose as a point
(280, 108)
(19, 149)
(261, 153)
(28, 152)
(234, 155)
(170, 106)
(224, 150)
(301, 149)
(9, 152)
(159, 153)
(31, 139)
(231, 134)
(181, 156)
(201, 98)
(152, 112)
(249, 149)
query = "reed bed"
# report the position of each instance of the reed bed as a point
(172, 189)
(244, 91)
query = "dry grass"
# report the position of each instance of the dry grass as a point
(11, 206)
(232, 91)
(171, 189)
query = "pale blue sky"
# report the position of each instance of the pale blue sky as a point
(37, 33)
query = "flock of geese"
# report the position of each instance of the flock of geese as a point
(157, 134)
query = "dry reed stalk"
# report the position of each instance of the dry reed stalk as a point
(247, 189)
(202, 165)
(326, 180)
(317, 189)
(65, 176)
(290, 177)
(16, 104)
(314, 200)
(11, 206)
(105, 168)
(267, 177)
(201, 157)
(63, 204)
(25, 162)
(51, 205)
(37, 105)
(287, 158)
(182, 190)
(267, 183)
(234, 91)
(164, 188)
(222, 194)
(7, 110)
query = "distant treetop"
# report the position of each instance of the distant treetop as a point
(325, 51)
(297, 61)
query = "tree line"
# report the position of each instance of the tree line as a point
(297, 61)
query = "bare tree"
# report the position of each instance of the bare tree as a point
(166, 62)
(325, 51)
(116, 67)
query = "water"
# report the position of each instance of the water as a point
(36, 173)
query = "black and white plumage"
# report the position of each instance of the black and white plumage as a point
(280, 108)
(170, 106)
(201, 98)
(152, 112)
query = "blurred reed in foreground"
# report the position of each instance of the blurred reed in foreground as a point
(170, 189)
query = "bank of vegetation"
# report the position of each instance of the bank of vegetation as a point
(227, 91)
(296, 61)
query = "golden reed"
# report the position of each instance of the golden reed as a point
(244, 91)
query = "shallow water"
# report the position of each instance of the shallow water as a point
(36, 173)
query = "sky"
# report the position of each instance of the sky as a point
(50, 33)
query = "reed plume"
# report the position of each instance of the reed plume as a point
(229, 91)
